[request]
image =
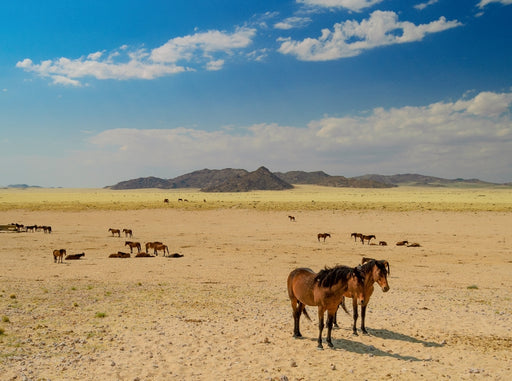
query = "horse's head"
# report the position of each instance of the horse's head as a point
(380, 274)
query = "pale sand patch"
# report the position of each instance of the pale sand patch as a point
(222, 311)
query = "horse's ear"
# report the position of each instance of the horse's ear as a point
(386, 263)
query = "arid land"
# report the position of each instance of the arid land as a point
(221, 312)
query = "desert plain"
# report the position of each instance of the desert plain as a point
(221, 312)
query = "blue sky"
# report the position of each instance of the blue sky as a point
(95, 92)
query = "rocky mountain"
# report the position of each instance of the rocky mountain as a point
(261, 179)
(322, 178)
(413, 179)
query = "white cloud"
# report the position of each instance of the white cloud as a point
(465, 138)
(176, 56)
(353, 5)
(292, 22)
(422, 6)
(351, 38)
(483, 3)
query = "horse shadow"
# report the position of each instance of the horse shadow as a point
(390, 335)
(361, 348)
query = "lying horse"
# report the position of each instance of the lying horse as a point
(372, 271)
(119, 254)
(323, 235)
(325, 290)
(58, 255)
(132, 245)
(74, 256)
(402, 243)
(115, 231)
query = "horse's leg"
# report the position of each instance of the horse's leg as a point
(363, 314)
(297, 308)
(354, 307)
(330, 318)
(320, 326)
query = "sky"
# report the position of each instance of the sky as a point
(96, 92)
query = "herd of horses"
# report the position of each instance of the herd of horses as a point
(31, 228)
(328, 289)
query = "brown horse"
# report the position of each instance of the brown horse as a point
(383, 243)
(292, 218)
(115, 231)
(160, 246)
(128, 232)
(132, 245)
(325, 290)
(366, 238)
(373, 271)
(58, 255)
(323, 235)
(151, 245)
(402, 243)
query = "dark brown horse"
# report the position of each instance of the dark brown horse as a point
(366, 238)
(372, 271)
(128, 232)
(132, 245)
(115, 231)
(356, 236)
(323, 235)
(151, 245)
(325, 290)
(292, 218)
(160, 246)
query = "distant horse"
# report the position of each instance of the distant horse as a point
(115, 231)
(74, 256)
(383, 243)
(323, 235)
(166, 200)
(356, 236)
(151, 245)
(325, 290)
(160, 246)
(47, 229)
(372, 271)
(119, 254)
(128, 232)
(132, 245)
(414, 244)
(292, 218)
(402, 243)
(58, 255)
(366, 238)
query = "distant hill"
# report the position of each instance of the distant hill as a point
(22, 186)
(240, 180)
(261, 179)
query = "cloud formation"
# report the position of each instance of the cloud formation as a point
(484, 3)
(451, 139)
(352, 5)
(351, 38)
(175, 56)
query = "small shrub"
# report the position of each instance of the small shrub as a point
(2, 331)
(100, 314)
(5, 319)
(473, 287)
(12, 296)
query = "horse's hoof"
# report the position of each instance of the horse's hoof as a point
(320, 348)
(355, 334)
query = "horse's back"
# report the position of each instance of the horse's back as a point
(301, 284)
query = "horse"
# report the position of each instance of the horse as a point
(366, 238)
(402, 243)
(372, 271)
(292, 218)
(58, 255)
(132, 245)
(74, 256)
(119, 254)
(151, 245)
(160, 246)
(325, 290)
(115, 231)
(128, 232)
(356, 236)
(166, 200)
(323, 235)
(414, 244)
(47, 229)
(383, 243)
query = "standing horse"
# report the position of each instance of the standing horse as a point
(372, 271)
(160, 246)
(151, 245)
(58, 255)
(115, 231)
(367, 238)
(325, 290)
(323, 235)
(128, 232)
(132, 245)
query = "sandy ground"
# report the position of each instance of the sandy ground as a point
(222, 312)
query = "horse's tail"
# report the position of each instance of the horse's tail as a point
(306, 313)
(342, 304)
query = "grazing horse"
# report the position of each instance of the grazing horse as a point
(58, 255)
(160, 246)
(115, 231)
(151, 245)
(402, 243)
(132, 245)
(292, 218)
(325, 290)
(372, 271)
(128, 232)
(366, 238)
(323, 235)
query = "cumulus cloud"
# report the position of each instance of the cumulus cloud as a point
(465, 138)
(422, 6)
(176, 56)
(353, 5)
(351, 38)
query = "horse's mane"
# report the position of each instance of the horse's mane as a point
(328, 277)
(368, 266)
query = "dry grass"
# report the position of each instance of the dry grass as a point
(303, 197)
